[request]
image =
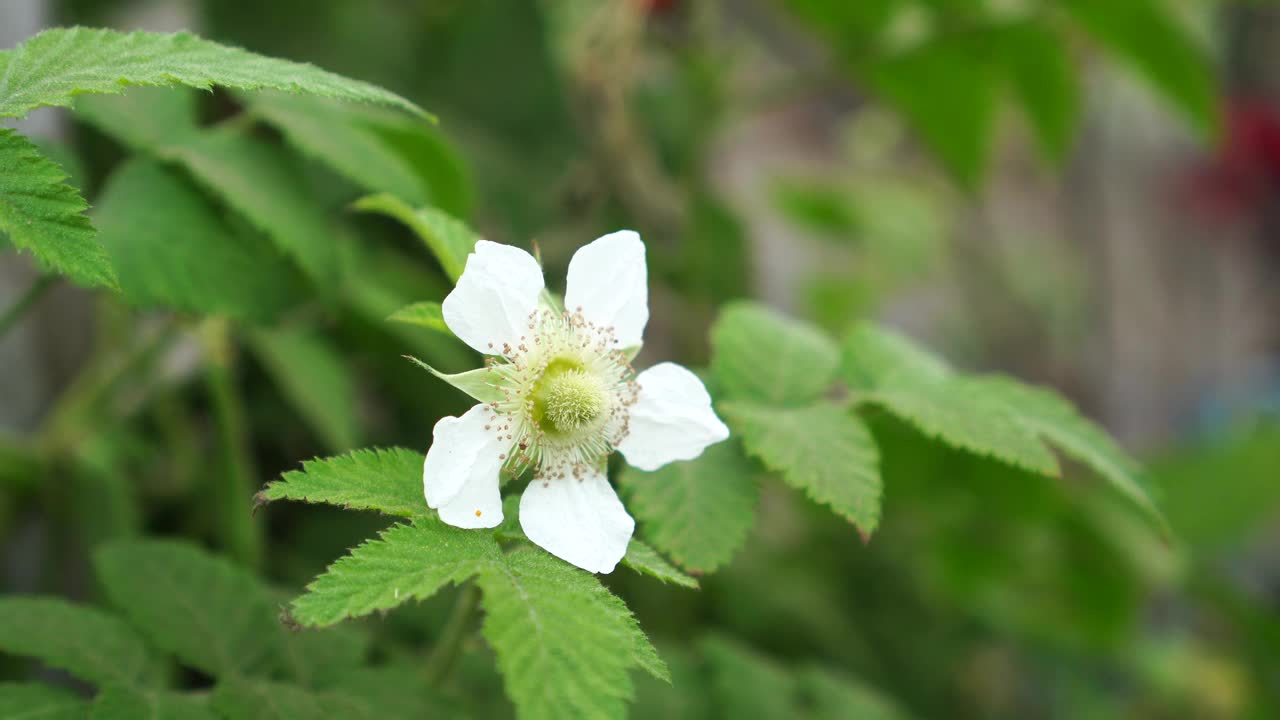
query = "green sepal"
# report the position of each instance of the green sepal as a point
(483, 384)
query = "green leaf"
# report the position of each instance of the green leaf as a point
(320, 658)
(762, 356)
(210, 613)
(45, 216)
(1056, 421)
(482, 384)
(34, 701)
(388, 481)
(120, 703)
(821, 449)
(57, 65)
(564, 642)
(945, 90)
(1042, 77)
(450, 239)
(745, 683)
(888, 371)
(246, 700)
(378, 151)
(1146, 34)
(834, 697)
(644, 559)
(311, 374)
(262, 182)
(424, 314)
(92, 645)
(171, 248)
(697, 512)
(406, 562)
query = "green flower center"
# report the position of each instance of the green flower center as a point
(567, 398)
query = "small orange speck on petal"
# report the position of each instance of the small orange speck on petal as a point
(477, 513)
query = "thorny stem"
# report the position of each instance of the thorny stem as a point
(234, 484)
(28, 299)
(447, 650)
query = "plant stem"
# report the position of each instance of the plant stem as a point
(235, 483)
(19, 308)
(445, 654)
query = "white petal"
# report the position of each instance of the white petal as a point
(671, 420)
(491, 304)
(460, 474)
(608, 280)
(579, 521)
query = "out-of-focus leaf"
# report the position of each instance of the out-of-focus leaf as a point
(92, 645)
(449, 239)
(1041, 76)
(747, 684)
(171, 248)
(121, 703)
(35, 701)
(213, 615)
(821, 449)
(311, 373)
(834, 696)
(424, 314)
(1146, 33)
(817, 207)
(760, 355)
(697, 512)
(388, 481)
(143, 119)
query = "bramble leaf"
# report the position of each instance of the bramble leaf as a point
(36, 701)
(93, 645)
(56, 65)
(388, 481)
(311, 374)
(406, 562)
(213, 615)
(122, 703)
(821, 449)
(760, 355)
(697, 512)
(450, 239)
(564, 642)
(45, 216)
(424, 314)
(644, 559)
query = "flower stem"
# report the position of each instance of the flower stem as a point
(235, 484)
(19, 308)
(447, 650)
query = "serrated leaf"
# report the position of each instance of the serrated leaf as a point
(56, 65)
(93, 645)
(482, 384)
(311, 373)
(406, 562)
(380, 152)
(213, 615)
(171, 248)
(760, 355)
(1147, 35)
(887, 370)
(697, 512)
(423, 314)
(564, 642)
(35, 701)
(448, 238)
(388, 481)
(1057, 421)
(121, 703)
(821, 449)
(644, 559)
(45, 216)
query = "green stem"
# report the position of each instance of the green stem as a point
(19, 308)
(235, 484)
(447, 650)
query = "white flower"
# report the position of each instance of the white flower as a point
(560, 395)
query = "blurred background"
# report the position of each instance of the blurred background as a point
(1081, 193)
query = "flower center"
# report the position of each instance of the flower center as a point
(567, 398)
